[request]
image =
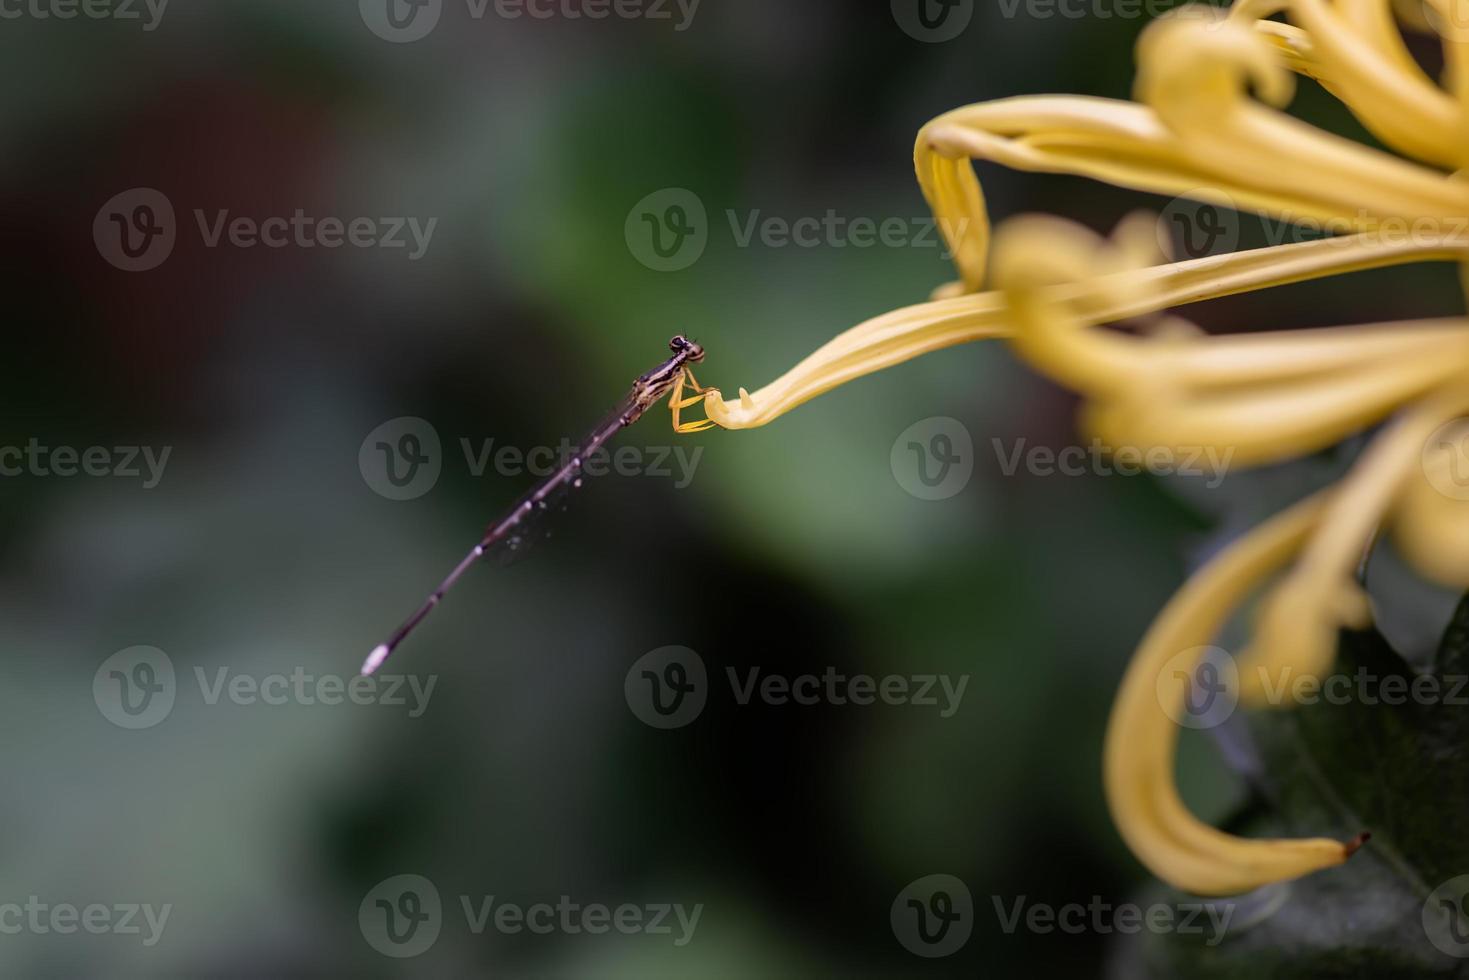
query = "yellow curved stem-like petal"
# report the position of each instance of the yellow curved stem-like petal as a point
(1372, 72)
(1279, 421)
(1299, 622)
(906, 333)
(1270, 165)
(1271, 396)
(1431, 523)
(1142, 737)
(1294, 48)
(1196, 75)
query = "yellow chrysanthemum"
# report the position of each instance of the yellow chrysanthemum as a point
(1207, 125)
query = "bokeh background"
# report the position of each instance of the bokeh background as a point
(266, 547)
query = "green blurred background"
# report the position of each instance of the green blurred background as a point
(794, 548)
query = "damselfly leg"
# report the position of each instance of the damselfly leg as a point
(677, 403)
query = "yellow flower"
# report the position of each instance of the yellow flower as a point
(1207, 125)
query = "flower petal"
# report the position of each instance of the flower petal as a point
(1358, 47)
(906, 333)
(1142, 738)
(1298, 624)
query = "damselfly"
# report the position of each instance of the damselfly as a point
(668, 379)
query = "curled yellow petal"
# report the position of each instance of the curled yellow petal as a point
(1431, 522)
(1299, 622)
(1255, 397)
(1280, 421)
(1196, 73)
(1142, 736)
(908, 332)
(1358, 47)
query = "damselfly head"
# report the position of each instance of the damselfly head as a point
(683, 345)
